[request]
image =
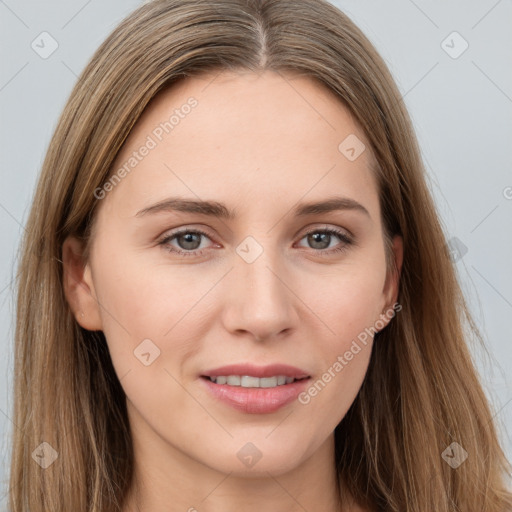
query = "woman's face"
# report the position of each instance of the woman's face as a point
(208, 252)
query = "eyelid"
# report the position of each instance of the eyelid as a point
(324, 226)
(168, 233)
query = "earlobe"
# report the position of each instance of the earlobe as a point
(79, 287)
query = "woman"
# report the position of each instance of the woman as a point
(235, 291)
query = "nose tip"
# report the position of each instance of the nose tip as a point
(258, 300)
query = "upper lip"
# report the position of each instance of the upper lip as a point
(270, 370)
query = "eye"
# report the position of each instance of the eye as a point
(188, 241)
(320, 239)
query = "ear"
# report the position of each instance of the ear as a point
(78, 286)
(391, 286)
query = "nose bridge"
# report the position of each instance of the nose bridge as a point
(260, 278)
(260, 301)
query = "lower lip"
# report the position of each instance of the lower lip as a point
(256, 400)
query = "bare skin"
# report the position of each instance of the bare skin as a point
(260, 144)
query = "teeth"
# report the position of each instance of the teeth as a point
(250, 382)
(247, 381)
(268, 382)
(233, 380)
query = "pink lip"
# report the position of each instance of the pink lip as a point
(256, 400)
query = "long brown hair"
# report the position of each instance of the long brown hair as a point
(421, 392)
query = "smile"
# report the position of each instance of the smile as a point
(248, 381)
(255, 389)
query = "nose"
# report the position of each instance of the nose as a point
(259, 301)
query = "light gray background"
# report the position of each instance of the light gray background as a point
(461, 108)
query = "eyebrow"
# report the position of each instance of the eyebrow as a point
(216, 209)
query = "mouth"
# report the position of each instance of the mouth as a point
(255, 390)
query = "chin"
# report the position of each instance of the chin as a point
(276, 466)
(257, 458)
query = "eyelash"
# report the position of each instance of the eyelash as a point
(347, 241)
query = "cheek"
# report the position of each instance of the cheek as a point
(325, 402)
(347, 301)
(150, 321)
(145, 296)
(139, 301)
(348, 304)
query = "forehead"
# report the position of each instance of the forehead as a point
(252, 136)
(248, 102)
